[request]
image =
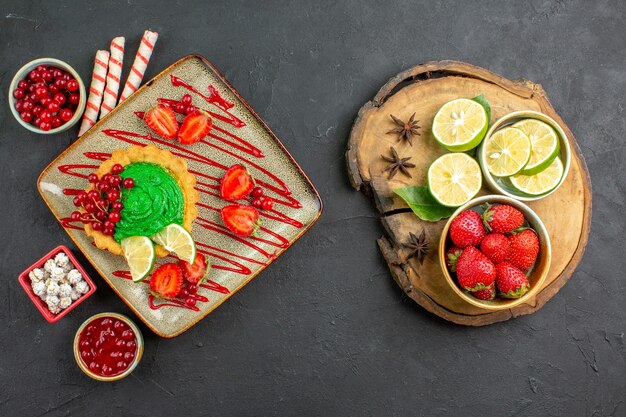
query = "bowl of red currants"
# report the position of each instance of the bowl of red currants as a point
(47, 96)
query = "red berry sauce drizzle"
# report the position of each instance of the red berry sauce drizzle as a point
(223, 141)
(107, 346)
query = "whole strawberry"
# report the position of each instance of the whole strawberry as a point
(474, 271)
(496, 247)
(511, 282)
(502, 219)
(524, 249)
(452, 256)
(487, 293)
(467, 229)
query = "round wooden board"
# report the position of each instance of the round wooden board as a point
(423, 90)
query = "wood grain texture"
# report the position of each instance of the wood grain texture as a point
(423, 90)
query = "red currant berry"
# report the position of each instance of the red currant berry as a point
(103, 186)
(184, 293)
(93, 194)
(109, 224)
(28, 105)
(67, 76)
(23, 84)
(179, 108)
(57, 73)
(41, 92)
(56, 121)
(90, 207)
(93, 177)
(37, 120)
(117, 206)
(128, 183)
(101, 203)
(45, 126)
(77, 201)
(19, 106)
(45, 101)
(113, 195)
(41, 68)
(46, 116)
(37, 110)
(75, 216)
(61, 83)
(46, 76)
(26, 116)
(106, 177)
(186, 100)
(97, 226)
(85, 218)
(257, 202)
(117, 169)
(66, 114)
(190, 302)
(115, 216)
(72, 85)
(100, 215)
(192, 288)
(115, 180)
(53, 106)
(108, 232)
(53, 89)
(190, 109)
(74, 98)
(18, 93)
(34, 75)
(59, 98)
(267, 204)
(257, 192)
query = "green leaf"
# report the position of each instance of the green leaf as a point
(482, 100)
(423, 203)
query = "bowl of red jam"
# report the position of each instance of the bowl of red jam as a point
(108, 346)
(47, 96)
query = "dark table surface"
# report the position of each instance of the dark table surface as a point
(324, 330)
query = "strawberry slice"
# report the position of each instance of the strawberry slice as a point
(240, 219)
(195, 127)
(195, 272)
(167, 280)
(162, 121)
(236, 183)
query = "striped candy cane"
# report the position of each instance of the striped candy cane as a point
(113, 77)
(96, 89)
(139, 65)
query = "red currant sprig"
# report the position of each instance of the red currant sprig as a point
(101, 205)
(259, 200)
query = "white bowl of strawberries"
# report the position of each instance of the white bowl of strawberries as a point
(495, 252)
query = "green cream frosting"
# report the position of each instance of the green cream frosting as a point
(155, 201)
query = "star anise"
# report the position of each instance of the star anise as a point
(418, 245)
(397, 164)
(406, 130)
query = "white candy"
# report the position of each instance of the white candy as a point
(61, 259)
(52, 300)
(53, 288)
(54, 308)
(65, 289)
(36, 274)
(65, 302)
(49, 265)
(74, 295)
(74, 277)
(39, 288)
(57, 273)
(82, 287)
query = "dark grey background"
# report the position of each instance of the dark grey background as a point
(324, 330)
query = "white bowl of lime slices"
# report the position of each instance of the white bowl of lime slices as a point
(525, 155)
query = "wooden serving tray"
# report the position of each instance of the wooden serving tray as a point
(423, 90)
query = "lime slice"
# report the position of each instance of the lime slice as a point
(544, 143)
(175, 238)
(506, 152)
(460, 125)
(454, 178)
(139, 253)
(542, 182)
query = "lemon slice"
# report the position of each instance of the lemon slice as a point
(542, 182)
(175, 238)
(454, 178)
(506, 152)
(544, 143)
(460, 125)
(139, 253)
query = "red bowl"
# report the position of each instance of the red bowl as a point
(24, 280)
